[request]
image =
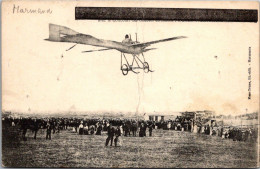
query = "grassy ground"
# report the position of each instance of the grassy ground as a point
(164, 149)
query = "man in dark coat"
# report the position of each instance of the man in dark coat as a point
(117, 134)
(110, 135)
(144, 130)
(141, 132)
(99, 129)
(24, 126)
(150, 129)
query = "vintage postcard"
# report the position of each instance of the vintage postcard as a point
(122, 84)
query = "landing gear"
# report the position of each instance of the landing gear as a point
(127, 67)
(146, 67)
(124, 69)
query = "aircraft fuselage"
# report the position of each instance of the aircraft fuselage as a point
(132, 50)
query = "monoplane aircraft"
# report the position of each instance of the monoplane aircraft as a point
(59, 33)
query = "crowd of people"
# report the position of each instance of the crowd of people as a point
(115, 128)
(236, 133)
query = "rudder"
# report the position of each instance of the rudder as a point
(57, 31)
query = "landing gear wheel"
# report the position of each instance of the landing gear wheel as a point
(146, 67)
(124, 69)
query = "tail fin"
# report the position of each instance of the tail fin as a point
(57, 31)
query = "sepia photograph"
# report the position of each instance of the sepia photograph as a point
(130, 84)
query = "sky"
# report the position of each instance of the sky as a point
(208, 70)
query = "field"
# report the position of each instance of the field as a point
(164, 149)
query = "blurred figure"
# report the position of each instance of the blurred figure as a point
(142, 130)
(110, 135)
(48, 131)
(92, 129)
(168, 126)
(99, 129)
(126, 129)
(134, 128)
(81, 128)
(85, 130)
(118, 133)
(150, 130)
(24, 126)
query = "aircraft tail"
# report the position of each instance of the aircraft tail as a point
(57, 31)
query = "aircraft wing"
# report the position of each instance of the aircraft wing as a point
(145, 44)
(59, 33)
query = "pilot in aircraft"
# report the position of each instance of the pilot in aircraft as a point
(127, 40)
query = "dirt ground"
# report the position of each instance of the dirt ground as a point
(163, 149)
